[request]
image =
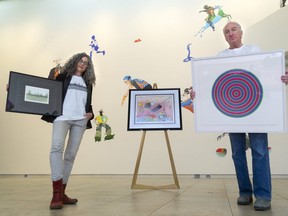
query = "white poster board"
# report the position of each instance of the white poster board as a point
(241, 93)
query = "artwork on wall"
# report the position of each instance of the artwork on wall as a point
(33, 95)
(95, 47)
(282, 3)
(154, 109)
(137, 40)
(188, 58)
(101, 122)
(186, 101)
(221, 152)
(214, 15)
(134, 83)
(239, 93)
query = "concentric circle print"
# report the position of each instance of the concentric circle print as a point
(237, 93)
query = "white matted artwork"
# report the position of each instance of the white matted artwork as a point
(241, 93)
(154, 109)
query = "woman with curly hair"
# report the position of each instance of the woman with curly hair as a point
(78, 78)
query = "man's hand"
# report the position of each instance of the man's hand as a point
(284, 78)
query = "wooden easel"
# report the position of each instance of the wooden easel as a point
(134, 184)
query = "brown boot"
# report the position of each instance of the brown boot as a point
(57, 199)
(66, 199)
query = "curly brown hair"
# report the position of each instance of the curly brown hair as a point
(70, 67)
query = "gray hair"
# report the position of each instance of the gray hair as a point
(70, 67)
(234, 22)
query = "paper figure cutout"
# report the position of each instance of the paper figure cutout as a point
(221, 152)
(186, 101)
(137, 40)
(221, 135)
(188, 56)
(134, 84)
(212, 18)
(101, 121)
(94, 46)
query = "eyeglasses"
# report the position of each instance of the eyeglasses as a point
(83, 62)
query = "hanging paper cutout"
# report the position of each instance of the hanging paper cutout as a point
(220, 136)
(137, 40)
(188, 56)
(95, 47)
(221, 152)
(134, 84)
(212, 18)
(186, 101)
(101, 122)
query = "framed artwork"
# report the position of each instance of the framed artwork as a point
(241, 93)
(33, 95)
(154, 109)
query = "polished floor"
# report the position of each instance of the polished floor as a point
(111, 195)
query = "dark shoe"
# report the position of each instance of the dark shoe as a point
(66, 199)
(244, 200)
(57, 199)
(69, 201)
(262, 204)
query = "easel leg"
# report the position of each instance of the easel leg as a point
(138, 160)
(171, 160)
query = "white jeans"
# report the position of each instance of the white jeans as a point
(61, 167)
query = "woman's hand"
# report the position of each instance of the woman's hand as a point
(88, 115)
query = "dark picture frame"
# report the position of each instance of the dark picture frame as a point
(33, 95)
(154, 109)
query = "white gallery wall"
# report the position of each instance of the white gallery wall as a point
(33, 33)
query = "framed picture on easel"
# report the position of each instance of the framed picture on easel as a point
(154, 109)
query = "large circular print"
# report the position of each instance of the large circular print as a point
(237, 93)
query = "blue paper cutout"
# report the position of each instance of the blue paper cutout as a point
(94, 46)
(188, 56)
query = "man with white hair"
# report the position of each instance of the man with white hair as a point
(261, 187)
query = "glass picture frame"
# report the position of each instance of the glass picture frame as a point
(154, 109)
(241, 93)
(33, 95)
